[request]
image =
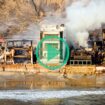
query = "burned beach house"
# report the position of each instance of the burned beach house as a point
(56, 31)
(94, 53)
(2, 50)
(14, 51)
(19, 51)
(23, 51)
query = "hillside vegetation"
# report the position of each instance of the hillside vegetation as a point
(16, 15)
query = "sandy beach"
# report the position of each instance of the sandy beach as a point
(18, 80)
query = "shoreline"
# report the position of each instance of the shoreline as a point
(80, 100)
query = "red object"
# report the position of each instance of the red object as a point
(1, 40)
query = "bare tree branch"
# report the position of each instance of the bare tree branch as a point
(36, 10)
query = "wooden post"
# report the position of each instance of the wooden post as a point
(5, 57)
(31, 52)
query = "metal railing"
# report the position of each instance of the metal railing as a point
(80, 62)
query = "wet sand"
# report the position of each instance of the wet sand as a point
(50, 81)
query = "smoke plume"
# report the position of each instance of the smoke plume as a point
(83, 16)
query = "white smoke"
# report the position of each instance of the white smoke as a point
(82, 16)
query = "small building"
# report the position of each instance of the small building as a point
(52, 30)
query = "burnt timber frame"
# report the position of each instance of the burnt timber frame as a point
(19, 45)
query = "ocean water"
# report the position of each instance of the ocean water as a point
(33, 95)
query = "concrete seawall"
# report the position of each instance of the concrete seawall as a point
(37, 68)
(79, 69)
